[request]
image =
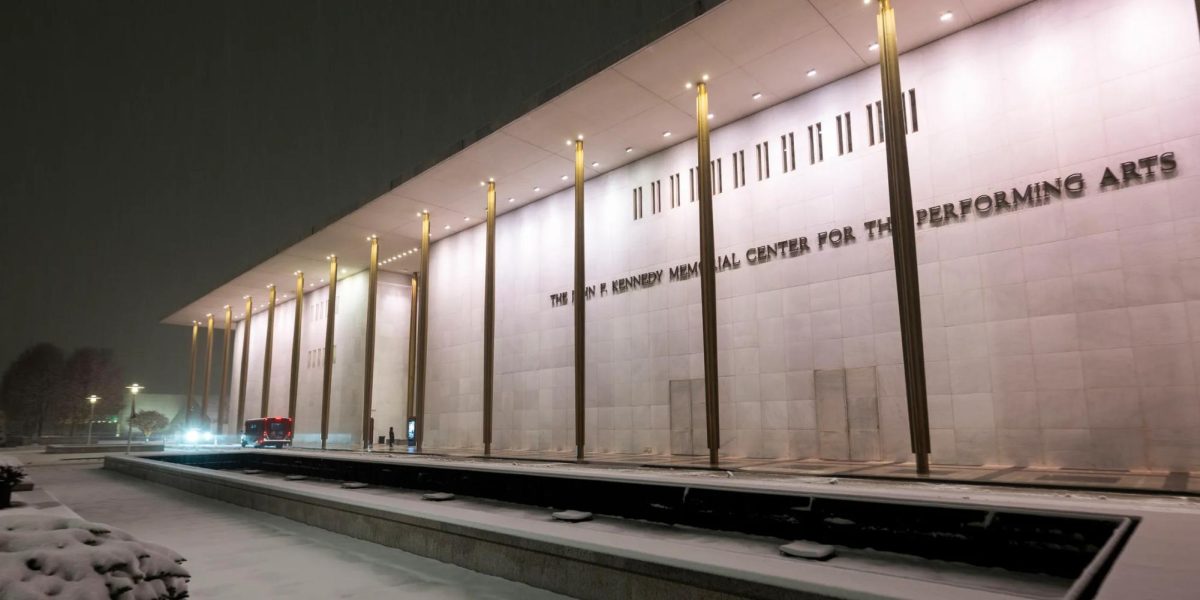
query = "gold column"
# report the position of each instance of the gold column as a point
(409, 410)
(187, 411)
(327, 380)
(904, 246)
(294, 380)
(266, 382)
(579, 300)
(489, 317)
(208, 342)
(241, 414)
(369, 359)
(422, 331)
(708, 275)
(223, 401)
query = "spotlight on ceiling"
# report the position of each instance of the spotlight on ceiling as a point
(756, 96)
(628, 149)
(873, 47)
(947, 17)
(595, 165)
(666, 134)
(812, 73)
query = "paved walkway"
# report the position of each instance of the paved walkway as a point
(235, 552)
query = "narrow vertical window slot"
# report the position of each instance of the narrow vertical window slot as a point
(870, 126)
(783, 151)
(912, 101)
(841, 143)
(791, 151)
(849, 135)
(812, 154)
(820, 144)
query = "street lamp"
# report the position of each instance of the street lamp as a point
(133, 389)
(91, 415)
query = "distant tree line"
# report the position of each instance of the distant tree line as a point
(44, 391)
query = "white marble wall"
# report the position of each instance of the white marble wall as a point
(1066, 334)
(391, 361)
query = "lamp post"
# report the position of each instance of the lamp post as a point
(133, 389)
(91, 415)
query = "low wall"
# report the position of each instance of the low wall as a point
(86, 449)
(578, 569)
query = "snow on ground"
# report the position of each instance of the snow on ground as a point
(43, 556)
(234, 552)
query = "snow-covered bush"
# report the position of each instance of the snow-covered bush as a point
(65, 558)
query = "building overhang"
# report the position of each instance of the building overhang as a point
(756, 53)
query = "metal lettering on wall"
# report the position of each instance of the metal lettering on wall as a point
(1033, 195)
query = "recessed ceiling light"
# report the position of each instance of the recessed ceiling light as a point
(595, 165)
(628, 149)
(666, 134)
(947, 17)
(710, 115)
(812, 73)
(512, 199)
(466, 218)
(866, 1)
(564, 178)
(873, 47)
(446, 227)
(756, 96)
(537, 188)
(687, 86)
(704, 77)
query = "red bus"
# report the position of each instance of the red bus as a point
(272, 431)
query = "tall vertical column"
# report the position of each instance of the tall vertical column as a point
(208, 342)
(266, 380)
(708, 275)
(241, 413)
(489, 317)
(422, 331)
(327, 377)
(579, 300)
(294, 379)
(187, 411)
(369, 357)
(904, 246)
(223, 399)
(410, 407)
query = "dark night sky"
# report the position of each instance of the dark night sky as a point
(154, 150)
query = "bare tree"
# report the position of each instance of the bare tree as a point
(31, 385)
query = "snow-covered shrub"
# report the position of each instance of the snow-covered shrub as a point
(65, 558)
